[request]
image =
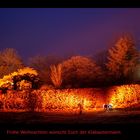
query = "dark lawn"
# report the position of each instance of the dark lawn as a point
(127, 122)
(100, 117)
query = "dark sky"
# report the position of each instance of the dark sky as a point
(61, 31)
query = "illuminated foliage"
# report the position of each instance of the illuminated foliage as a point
(13, 101)
(46, 87)
(56, 75)
(51, 100)
(6, 83)
(9, 61)
(123, 59)
(24, 84)
(26, 70)
(67, 100)
(80, 71)
(21, 79)
(124, 96)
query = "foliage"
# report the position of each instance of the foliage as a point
(24, 85)
(124, 96)
(21, 79)
(51, 100)
(80, 71)
(46, 87)
(26, 70)
(20, 101)
(32, 101)
(69, 99)
(10, 61)
(13, 101)
(122, 59)
(27, 74)
(56, 75)
(6, 83)
(42, 65)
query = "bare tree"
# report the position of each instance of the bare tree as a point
(56, 75)
(10, 61)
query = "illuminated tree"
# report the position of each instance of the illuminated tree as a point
(10, 61)
(79, 71)
(122, 59)
(25, 78)
(29, 76)
(56, 75)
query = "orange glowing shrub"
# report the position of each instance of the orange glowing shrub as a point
(24, 84)
(26, 70)
(45, 99)
(7, 80)
(13, 101)
(124, 96)
(69, 99)
(52, 100)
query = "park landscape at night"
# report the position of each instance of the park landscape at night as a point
(76, 86)
(69, 87)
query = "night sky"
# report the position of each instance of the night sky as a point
(62, 31)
